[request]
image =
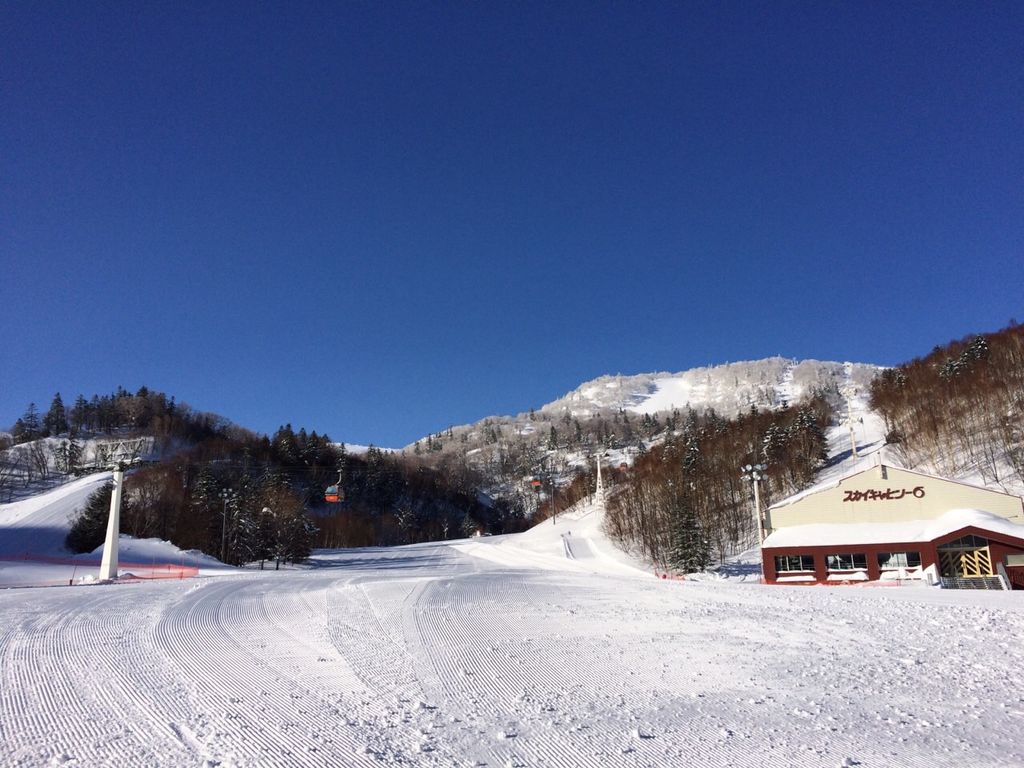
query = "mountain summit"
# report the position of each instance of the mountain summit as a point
(728, 388)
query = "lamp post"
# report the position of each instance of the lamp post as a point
(550, 476)
(754, 473)
(551, 490)
(226, 495)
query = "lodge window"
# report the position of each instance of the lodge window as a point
(890, 561)
(847, 562)
(794, 563)
(966, 542)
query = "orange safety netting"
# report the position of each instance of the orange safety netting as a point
(126, 570)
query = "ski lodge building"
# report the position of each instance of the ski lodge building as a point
(884, 523)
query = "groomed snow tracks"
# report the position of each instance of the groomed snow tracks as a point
(423, 656)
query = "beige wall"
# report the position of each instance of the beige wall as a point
(851, 501)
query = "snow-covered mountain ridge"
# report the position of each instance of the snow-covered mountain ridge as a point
(727, 388)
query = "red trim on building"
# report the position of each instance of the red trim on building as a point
(1000, 545)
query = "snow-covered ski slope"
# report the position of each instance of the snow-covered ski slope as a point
(548, 648)
(573, 541)
(32, 533)
(38, 525)
(427, 655)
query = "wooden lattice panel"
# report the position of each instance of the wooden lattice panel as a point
(966, 562)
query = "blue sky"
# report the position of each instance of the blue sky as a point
(379, 219)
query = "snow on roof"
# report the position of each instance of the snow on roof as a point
(851, 534)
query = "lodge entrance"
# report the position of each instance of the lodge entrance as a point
(968, 557)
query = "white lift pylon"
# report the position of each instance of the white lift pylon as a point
(849, 392)
(109, 564)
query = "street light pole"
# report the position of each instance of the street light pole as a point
(551, 492)
(551, 489)
(226, 495)
(754, 473)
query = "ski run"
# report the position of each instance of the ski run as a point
(543, 649)
(546, 648)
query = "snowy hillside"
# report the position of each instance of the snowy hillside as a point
(32, 533)
(727, 388)
(627, 415)
(38, 525)
(29, 468)
(548, 647)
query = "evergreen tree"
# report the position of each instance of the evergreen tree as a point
(690, 551)
(342, 454)
(89, 530)
(285, 446)
(284, 532)
(296, 534)
(55, 422)
(691, 456)
(408, 522)
(242, 522)
(377, 479)
(811, 446)
(263, 536)
(206, 509)
(773, 444)
(467, 526)
(97, 414)
(67, 456)
(27, 427)
(80, 414)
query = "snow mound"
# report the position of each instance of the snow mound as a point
(572, 541)
(160, 552)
